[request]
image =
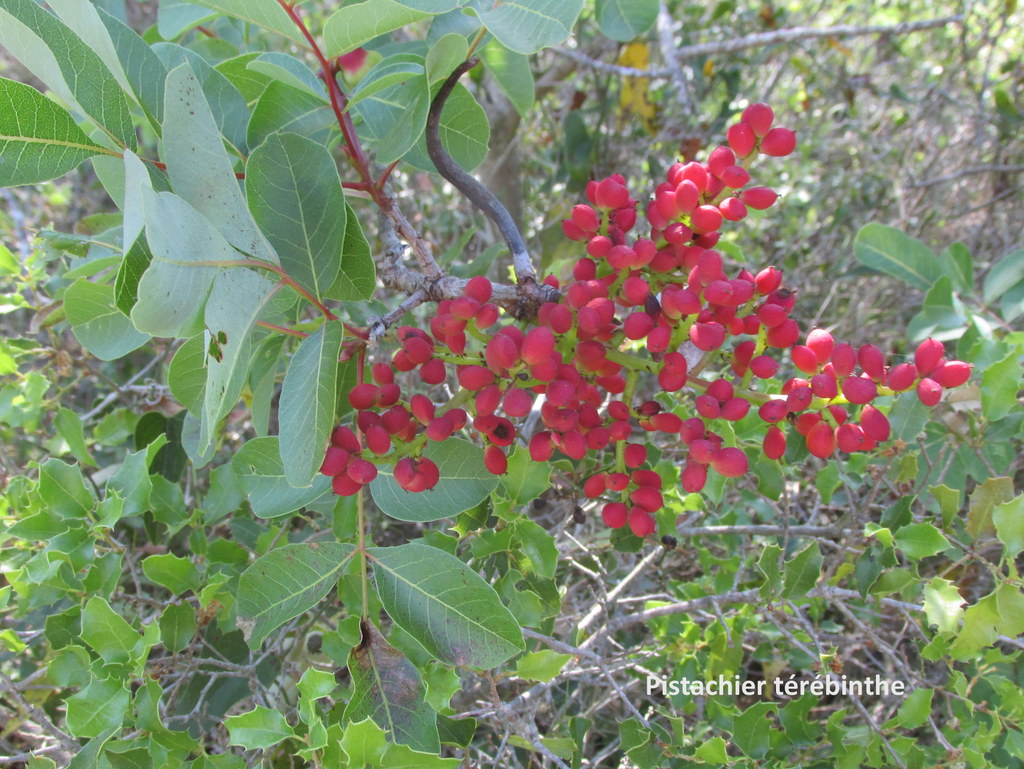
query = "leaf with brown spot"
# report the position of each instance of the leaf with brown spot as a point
(388, 688)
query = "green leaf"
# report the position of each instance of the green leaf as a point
(286, 582)
(1009, 522)
(358, 23)
(295, 196)
(512, 73)
(133, 267)
(541, 666)
(186, 376)
(445, 55)
(261, 473)
(800, 573)
(237, 299)
(464, 132)
(268, 14)
(174, 289)
(388, 688)
(173, 572)
(525, 479)
(176, 16)
(145, 72)
(432, 6)
(289, 70)
(713, 751)
(920, 540)
(445, 606)
(68, 66)
(915, 708)
(63, 489)
(958, 264)
(984, 499)
(199, 167)
(357, 278)
(177, 626)
(891, 251)
(282, 107)
(69, 426)
(107, 632)
(751, 730)
(1003, 275)
(943, 604)
(100, 706)
(941, 313)
(259, 728)
(464, 483)
(999, 385)
(624, 20)
(395, 116)
(527, 26)
(364, 743)
(38, 139)
(308, 397)
(97, 323)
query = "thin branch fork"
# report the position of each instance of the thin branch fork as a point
(761, 40)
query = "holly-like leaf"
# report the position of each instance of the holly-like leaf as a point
(388, 688)
(38, 139)
(464, 482)
(445, 605)
(259, 728)
(286, 582)
(801, 572)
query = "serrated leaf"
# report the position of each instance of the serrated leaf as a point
(525, 479)
(100, 706)
(177, 626)
(527, 26)
(68, 66)
(389, 689)
(261, 473)
(173, 572)
(364, 743)
(1009, 522)
(107, 632)
(891, 251)
(445, 605)
(464, 482)
(295, 196)
(38, 139)
(63, 489)
(999, 385)
(308, 397)
(69, 426)
(624, 20)
(801, 573)
(358, 23)
(357, 277)
(943, 604)
(260, 728)
(920, 540)
(97, 323)
(286, 582)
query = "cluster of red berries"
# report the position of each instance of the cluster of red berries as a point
(634, 307)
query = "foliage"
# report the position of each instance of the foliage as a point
(182, 587)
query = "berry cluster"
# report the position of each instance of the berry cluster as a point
(663, 305)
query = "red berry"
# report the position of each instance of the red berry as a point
(850, 437)
(730, 462)
(759, 198)
(495, 460)
(707, 336)
(705, 219)
(517, 402)
(844, 358)
(824, 386)
(929, 391)
(804, 358)
(541, 447)
(635, 454)
(479, 288)
(363, 396)
(952, 373)
(440, 428)
(433, 372)
(741, 139)
(640, 522)
(614, 515)
(773, 411)
(344, 486)
(694, 477)
(595, 485)
(928, 356)
(872, 361)
(874, 423)
(859, 389)
(501, 353)
(361, 471)
(377, 440)
(735, 177)
(902, 377)
(344, 438)
(821, 440)
(353, 60)
(648, 498)
(764, 367)
(759, 117)
(637, 325)
(778, 142)
(335, 461)
(475, 377)
(774, 445)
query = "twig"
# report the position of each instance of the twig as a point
(38, 716)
